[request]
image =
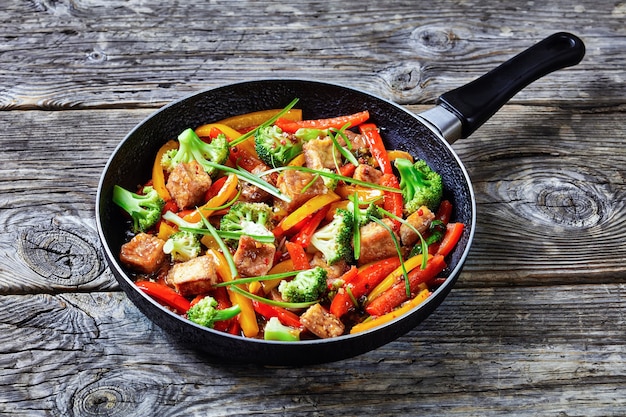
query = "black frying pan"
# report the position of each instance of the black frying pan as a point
(428, 136)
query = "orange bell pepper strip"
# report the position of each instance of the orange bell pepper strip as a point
(298, 256)
(377, 147)
(306, 209)
(338, 122)
(380, 320)
(254, 119)
(158, 176)
(397, 294)
(226, 193)
(247, 317)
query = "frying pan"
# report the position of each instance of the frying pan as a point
(427, 135)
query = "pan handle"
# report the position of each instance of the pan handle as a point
(474, 103)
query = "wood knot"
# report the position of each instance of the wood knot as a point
(60, 255)
(561, 199)
(120, 393)
(404, 81)
(434, 39)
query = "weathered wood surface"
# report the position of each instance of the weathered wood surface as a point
(535, 325)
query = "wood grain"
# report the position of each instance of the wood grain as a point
(534, 325)
(85, 54)
(483, 347)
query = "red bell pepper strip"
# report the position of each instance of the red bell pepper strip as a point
(444, 212)
(347, 170)
(392, 202)
(362, 283)
(286, 317)
(338, 122)
(304, 235)
(396, 295)
(451, 238)
(165, 295)
(377, 147)
(298, 256)
(215, 188)
(220, 294)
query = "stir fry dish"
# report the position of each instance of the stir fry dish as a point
(271, 226)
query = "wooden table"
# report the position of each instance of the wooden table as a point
(536, 322)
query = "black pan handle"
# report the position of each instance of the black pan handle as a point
(476, 102)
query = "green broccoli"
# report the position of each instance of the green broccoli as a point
(192, 148)
(144, 209)
(334, 240)
(246, 218)
(182, 246)
(275, 147)
(420, 185)
(365, 215)
(205, 313)
(275, 330)
(308, 285)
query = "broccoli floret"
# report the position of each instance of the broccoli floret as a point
(275, 147)
(308, 285)
(192, 148)
(275, 330)
(246, 218)
(334, 240)
(182, 246)
(365, 215)
(144, 209)
(205, 313)
(420, 185)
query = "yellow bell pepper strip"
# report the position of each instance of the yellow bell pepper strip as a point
(248, 120)
(396, 154)
(158, 176)
(380, 320)
(352, 120)
(247, 317)
(397, 294)
(394, 277)
(269, 285)
(365, 194)
(298, 160)
(231, 134)
(228, 191)
(308, 208)
(165, 230)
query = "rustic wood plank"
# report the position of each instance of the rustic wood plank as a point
(473, 356)
(85, 54)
